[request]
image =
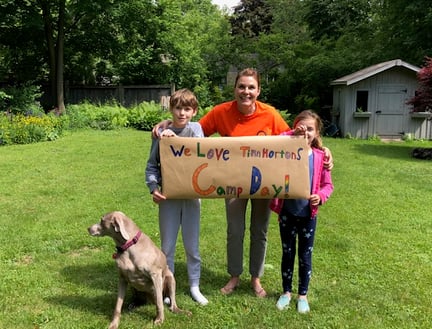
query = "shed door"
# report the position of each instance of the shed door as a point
(390, 110)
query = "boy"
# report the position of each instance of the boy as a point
(178, 212)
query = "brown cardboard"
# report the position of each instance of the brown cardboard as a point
(257, 167)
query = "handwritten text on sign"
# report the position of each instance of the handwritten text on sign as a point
(235, 167)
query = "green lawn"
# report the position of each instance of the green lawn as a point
(373, 250)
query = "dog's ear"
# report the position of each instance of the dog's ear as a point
(120, 228)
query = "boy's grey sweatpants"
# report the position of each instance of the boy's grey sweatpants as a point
(185, 213)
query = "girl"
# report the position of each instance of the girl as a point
(297, 218)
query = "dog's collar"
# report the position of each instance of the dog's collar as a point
(127, 244)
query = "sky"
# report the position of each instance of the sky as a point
(228, 3)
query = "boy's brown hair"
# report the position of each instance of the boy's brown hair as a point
(183, 97)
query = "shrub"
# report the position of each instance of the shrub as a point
(25, 129)
(104, 117)
(21, 99)
(145, 115)
(77, 116)
(422, 101)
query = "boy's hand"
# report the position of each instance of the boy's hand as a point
(158, 197)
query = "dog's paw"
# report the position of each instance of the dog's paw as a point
(176, 309)
(158, 321)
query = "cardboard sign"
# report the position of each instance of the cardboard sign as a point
(257, 167)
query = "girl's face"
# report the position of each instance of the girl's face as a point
(308, 125)
(181, 115)
(246, 92)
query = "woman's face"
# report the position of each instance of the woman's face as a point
(246, 92)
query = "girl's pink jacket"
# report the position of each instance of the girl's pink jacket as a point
(321, 183)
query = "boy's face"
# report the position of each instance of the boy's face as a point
(182, 115)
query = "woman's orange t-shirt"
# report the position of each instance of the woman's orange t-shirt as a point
(226, 120)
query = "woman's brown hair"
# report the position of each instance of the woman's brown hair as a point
(248, 72)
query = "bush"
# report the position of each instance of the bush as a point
(145, 115)
(21, 100)
(22, 129)
(104, 117)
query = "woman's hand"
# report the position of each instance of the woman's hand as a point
(328, 159)
(160, 126)
(167, 133)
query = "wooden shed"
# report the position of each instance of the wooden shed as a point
(372, 102)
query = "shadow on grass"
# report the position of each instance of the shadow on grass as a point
(392, 150)
(102, 279)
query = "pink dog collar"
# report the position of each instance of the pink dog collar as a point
(127, 245)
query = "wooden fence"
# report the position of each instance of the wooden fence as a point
(125, 95)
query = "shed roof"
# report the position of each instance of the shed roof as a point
(372, 70)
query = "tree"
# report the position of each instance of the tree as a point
(195, 37)
(331, 18)
(422, 101)
(251, 18)
(35, 35)
(404, 29)
(111, 41)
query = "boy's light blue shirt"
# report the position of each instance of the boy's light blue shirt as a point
(153, 170)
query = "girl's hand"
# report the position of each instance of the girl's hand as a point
(315, 200)
(158, 197)
(300, 130)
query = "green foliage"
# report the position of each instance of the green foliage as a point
(404, 30)
(104, 117)
(299, 46)
(201, 112)
(374, 138)
(22, 129)
(331, 19)
(145, 115)
(21, 99)
(251, 18)
(288, 117)
(422, 101)
(4, 100)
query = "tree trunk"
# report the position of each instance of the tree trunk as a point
(49, 36)
(60, 58)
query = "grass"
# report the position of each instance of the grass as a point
(372, 261)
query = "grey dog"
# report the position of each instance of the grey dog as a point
(140, 263)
